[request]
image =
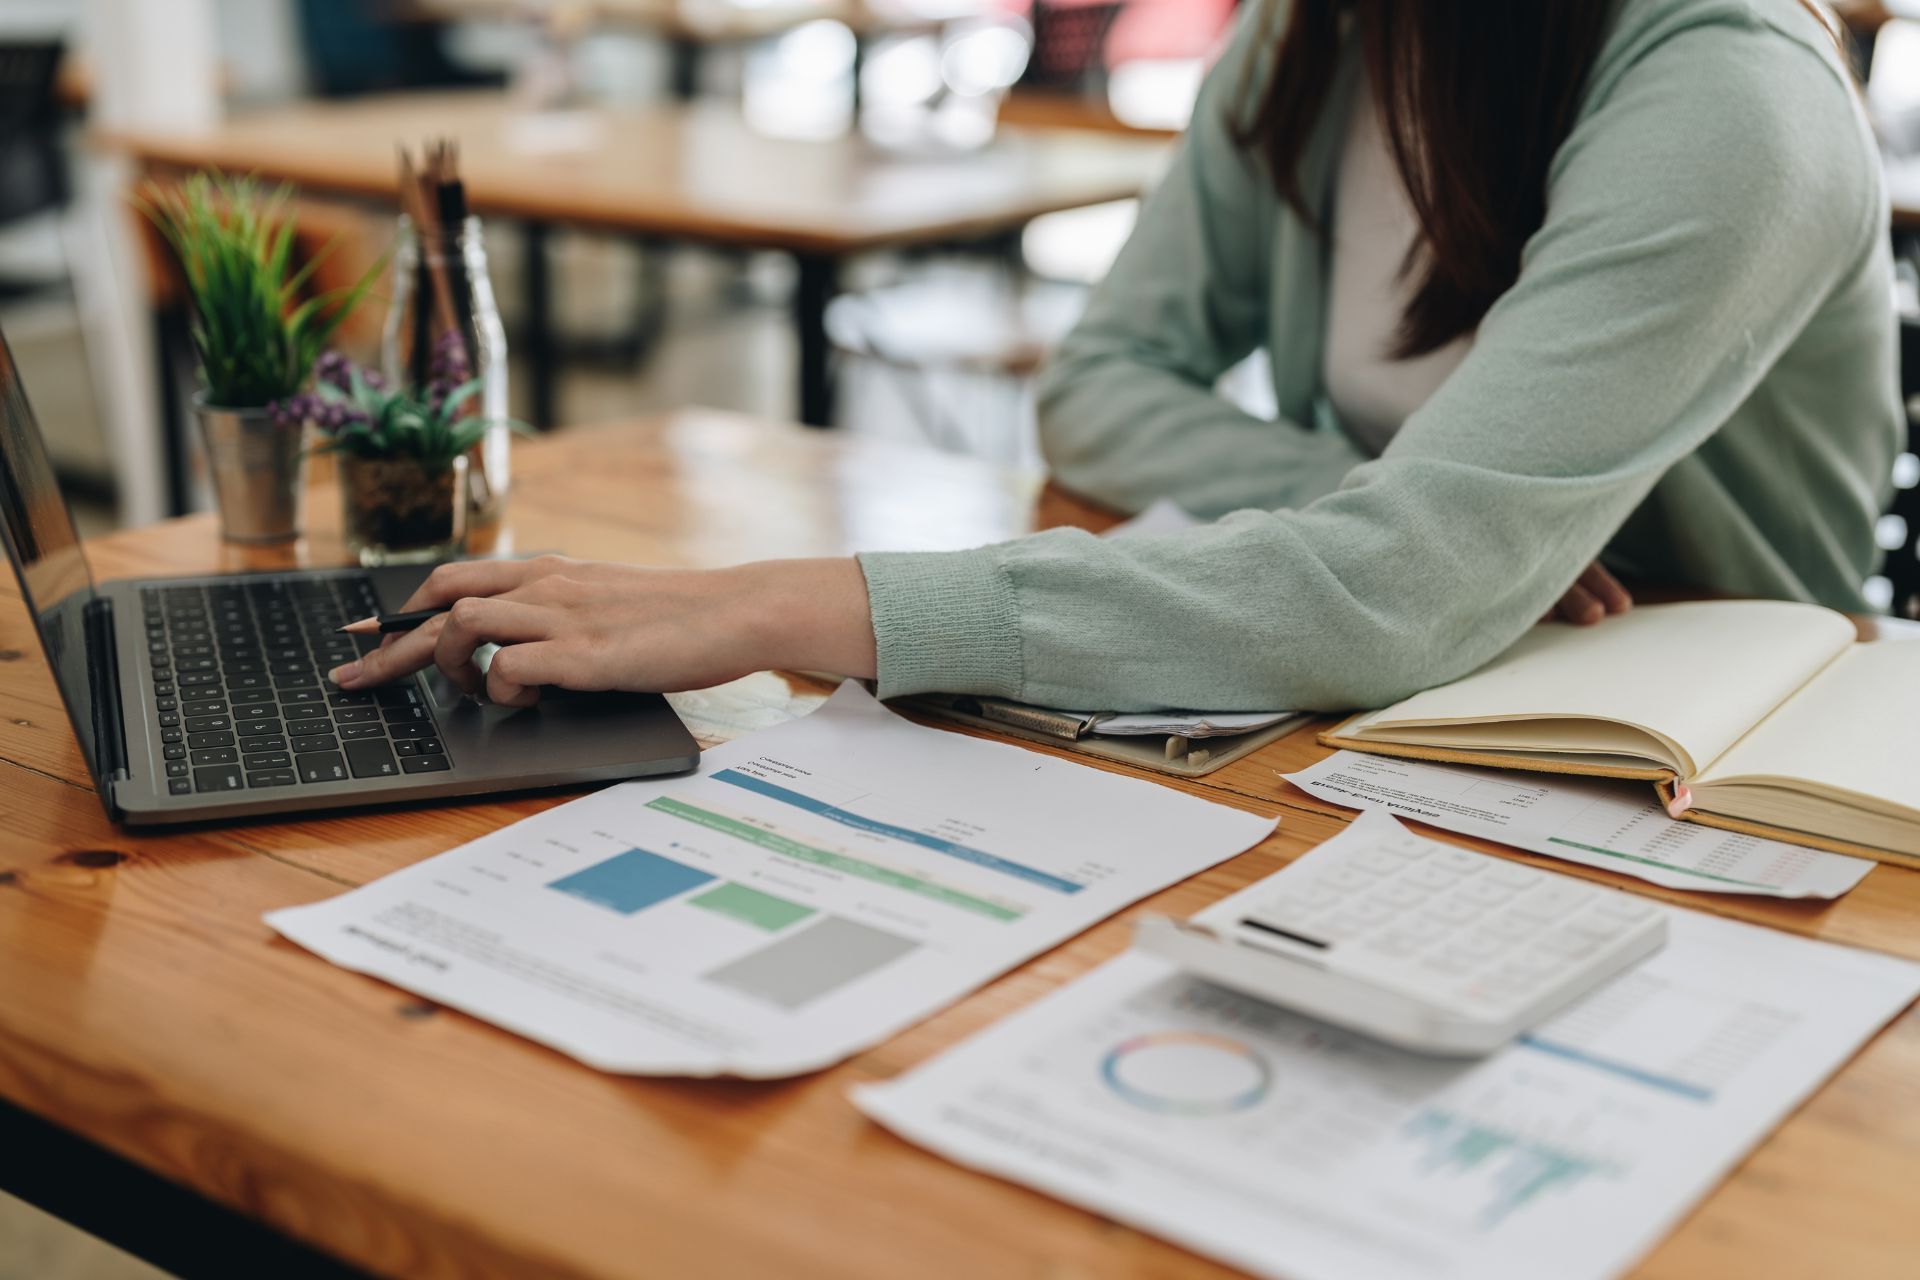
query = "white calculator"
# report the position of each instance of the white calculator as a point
(1412, 941)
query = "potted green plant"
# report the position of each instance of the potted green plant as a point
(256, 338)
(403, 455)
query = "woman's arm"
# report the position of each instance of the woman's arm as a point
(1699, 215)
(1127, 409)
(583, 624)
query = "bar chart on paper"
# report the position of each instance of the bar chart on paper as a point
(810, 888)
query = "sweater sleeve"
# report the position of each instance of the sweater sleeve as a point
(1127, 409)
(1697, 217)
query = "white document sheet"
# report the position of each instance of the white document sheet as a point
(813, 889)
(1290, 1148)
(1597, 822)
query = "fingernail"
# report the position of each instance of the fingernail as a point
(345, 674)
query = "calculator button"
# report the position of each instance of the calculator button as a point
(1407, 848)
(1624, 907)
(1485, 893)
(1570, 946)
(1451, 911)
(1550, 902)
(1400, 895)
(1376, 861)
(1338, 879)
(1431, 875)
(1461, 862)
(1509, 876)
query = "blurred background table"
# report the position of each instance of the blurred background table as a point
(696, 174)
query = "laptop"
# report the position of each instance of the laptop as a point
(205, 698)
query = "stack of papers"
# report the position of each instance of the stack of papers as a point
(815, 888)
(1596, 822)
(1291, 1148)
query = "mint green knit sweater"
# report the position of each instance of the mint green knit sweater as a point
(1694, 373)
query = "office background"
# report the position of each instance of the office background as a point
(933, 339)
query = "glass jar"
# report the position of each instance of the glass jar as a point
(443, 326)
(395, 511)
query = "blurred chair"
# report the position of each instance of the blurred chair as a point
(1069, 43)
(357, 47)
(959, 345)
(33, 174)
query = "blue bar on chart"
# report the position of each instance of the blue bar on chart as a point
(631, 881)
(859, 822)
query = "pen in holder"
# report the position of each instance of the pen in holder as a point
(444, 325)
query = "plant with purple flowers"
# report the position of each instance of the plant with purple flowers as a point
(361, 414)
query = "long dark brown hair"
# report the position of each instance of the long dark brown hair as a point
(1474, 98)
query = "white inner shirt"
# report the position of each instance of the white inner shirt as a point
(1373, 227)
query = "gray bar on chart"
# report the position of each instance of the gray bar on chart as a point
(800, 969)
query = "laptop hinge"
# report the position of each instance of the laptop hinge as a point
(103, 679)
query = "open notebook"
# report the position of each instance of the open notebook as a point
(1761, 716)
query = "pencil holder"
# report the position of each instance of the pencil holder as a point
(444, 327)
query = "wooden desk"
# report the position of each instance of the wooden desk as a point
(690, 173)
(148, 1010)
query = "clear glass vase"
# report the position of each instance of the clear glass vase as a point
(443, 326)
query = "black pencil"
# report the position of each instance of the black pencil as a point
(387, 623)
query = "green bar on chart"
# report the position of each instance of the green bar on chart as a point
(750, 906)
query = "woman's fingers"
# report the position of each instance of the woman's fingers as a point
(406, 654)
(475, 621)
(1580, 607)
(461, 578)
(517, 671)
(1606, 588)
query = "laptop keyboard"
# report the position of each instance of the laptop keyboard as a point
(241, 695)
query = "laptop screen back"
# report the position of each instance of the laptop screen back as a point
(45, 549)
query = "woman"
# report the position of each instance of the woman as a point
(1543, 283)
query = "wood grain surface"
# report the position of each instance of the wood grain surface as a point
(148, 1008)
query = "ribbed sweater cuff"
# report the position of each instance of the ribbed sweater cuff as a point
(943, 622)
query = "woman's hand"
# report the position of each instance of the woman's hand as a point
(1596, 594)
(593, 625)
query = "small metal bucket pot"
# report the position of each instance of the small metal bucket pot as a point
(259, 472)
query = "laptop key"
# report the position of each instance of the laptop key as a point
(343, 698)
(431, 747)
(307, 711)
(200, 740)
(169, 719)
(215, 755)
(247, 680)
(256, 728)
(180, 787)
(174, 751)
(242, 698)
(372, 759)
(424, 764)
(362, 732)
(177, 768)
(271, 742)
(219, 778)
(206, 723)
(318, 742)
(293, 696)
(322, 766)
(171, 736)
(272, 778)
(411, 730)
(399, 714)
(266, 760)
(357, 715)
(408, 747)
